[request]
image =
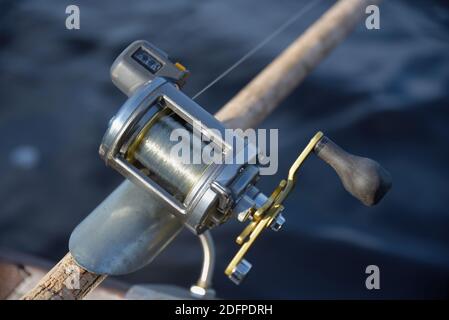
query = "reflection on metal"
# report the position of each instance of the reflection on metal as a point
(203, 287)
(124, 233)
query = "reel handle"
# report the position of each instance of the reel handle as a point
(362, 177)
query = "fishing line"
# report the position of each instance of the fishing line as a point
(270, 37)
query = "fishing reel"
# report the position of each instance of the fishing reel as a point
(139, 144)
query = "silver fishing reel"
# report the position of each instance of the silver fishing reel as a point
(139, 145)
(201, 195)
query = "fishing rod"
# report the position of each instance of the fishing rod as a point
(161, 195)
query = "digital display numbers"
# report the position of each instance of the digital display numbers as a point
(145, 59)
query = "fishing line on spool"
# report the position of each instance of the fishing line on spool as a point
(261, 44)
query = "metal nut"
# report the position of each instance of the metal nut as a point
(240, 271)
(277, 222)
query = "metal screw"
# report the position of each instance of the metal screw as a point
(277, 222)
(240, 271)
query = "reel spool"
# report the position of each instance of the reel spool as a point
(138, 144)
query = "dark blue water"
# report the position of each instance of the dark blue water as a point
(382, 94)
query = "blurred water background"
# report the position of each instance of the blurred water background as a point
(382, 94)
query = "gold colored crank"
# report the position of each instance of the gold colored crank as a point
(264, 216)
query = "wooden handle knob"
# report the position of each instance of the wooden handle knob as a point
(364, 178)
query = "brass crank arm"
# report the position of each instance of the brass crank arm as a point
(262, 217)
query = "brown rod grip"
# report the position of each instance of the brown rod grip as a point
(364, 178)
